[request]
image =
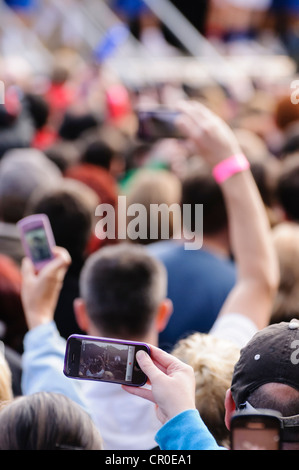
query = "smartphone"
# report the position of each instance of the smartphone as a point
(37, 239)
(158, 124)
(256, 431)
(104, 359)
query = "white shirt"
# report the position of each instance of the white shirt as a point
(234, 327)
(125, 421)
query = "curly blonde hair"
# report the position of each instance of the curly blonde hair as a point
(213, 361)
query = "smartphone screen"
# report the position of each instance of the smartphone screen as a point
(37, 238)
(255, 433)
(105, 360)
(38, 244)
(158, 124)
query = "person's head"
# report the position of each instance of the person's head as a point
(286, 114)
(266, 377)
(98, 153)
(286, 242)
(6, 389)
(64, 154)
(12, 319)
(46, 421)
(213, 361)
(290, 145)
(266, 174)
(161, 188)
(98, 179)
(199, 187)
(287, 189)
(23, 171)
(252, 145)
(73, 126)
(71, 213)
(38, 108)
(123, 294)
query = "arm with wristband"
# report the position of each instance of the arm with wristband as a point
(172, 386)
(251, 244)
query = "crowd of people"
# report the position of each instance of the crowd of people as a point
(222, 321)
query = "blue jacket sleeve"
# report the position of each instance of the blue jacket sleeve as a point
(43, 361)
(186, 431)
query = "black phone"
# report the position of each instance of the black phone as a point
(158, 124)
(104, 359)
(260, 430)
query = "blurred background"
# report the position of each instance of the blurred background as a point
(98, 59)
(101, 58)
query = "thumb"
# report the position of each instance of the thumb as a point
(147, 366)
(61, 261)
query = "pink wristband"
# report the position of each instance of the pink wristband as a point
(229, 167)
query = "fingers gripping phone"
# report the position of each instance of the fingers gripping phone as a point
(37, 239)
(104, 359)
(256, 431)
(158, 124)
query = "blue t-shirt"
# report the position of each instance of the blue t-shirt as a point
(198, 285)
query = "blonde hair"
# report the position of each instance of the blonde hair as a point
(156, 187)
(6, 393)
(286, 242)
(213, 361)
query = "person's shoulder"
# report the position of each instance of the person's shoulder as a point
(235, 328)
(164, 248)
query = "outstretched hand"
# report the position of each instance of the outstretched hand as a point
(40, 291)
(213, 138)
(172, 383)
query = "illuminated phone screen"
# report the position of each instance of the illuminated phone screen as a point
(110, 362)
(38, 244)
(257, 438)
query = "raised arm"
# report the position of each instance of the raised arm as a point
(44, 348)
(258, 272)
(40, 291)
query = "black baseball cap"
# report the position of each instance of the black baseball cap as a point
(271, 356)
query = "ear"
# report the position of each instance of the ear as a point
(164, 313)
(81, 314)
(230, 407)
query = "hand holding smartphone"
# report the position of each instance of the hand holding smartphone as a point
(37, 239)
(104, 359)
(172, 384)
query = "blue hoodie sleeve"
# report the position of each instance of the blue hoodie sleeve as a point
(186, 431)
(43, 362)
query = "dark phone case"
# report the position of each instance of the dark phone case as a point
(102, 340)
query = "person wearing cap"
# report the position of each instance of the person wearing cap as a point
(266, 377)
